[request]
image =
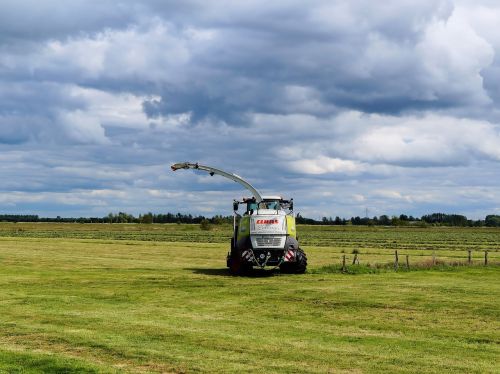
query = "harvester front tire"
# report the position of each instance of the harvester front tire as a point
(297, 267)
(236, 264)
(301, 264)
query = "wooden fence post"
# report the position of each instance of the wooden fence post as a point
(355, 259)
(343, 263)
(407, 262)
(396, 260)
(485, 257)
(469, 258)
(433, 258)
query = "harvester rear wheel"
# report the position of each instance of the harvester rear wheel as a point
(236, 264)
(297, 267)
(301, 264)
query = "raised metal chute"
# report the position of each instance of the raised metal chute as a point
(212, 171)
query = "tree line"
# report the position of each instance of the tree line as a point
(120, 217)
(434, 219)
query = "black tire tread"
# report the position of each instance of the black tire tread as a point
(239, 267)
(298, 267)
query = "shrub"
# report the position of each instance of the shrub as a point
(205, 225)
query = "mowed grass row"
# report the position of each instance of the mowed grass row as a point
(345, 237)
(377, 245)
(80, 305)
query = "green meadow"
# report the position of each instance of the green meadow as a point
(157, 298)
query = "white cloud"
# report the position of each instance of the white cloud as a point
(322, 165)
(430, 140)
(81, 128)
(109, 108)
(356, 143)
(453, 55)
(154, 54)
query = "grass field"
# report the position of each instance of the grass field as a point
(157, 298)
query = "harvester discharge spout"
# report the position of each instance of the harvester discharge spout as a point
(212, 171)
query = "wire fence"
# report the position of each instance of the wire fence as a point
(408, 260)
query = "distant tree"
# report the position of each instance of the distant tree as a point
(205, 225)
(356, 220)
(306, 221)
(147, 218)
(384, 220)
(446, 219)
(122, 217)
(219, 220)
(492, 220)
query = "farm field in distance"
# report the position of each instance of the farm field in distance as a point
(158, 298)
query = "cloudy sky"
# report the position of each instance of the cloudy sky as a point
(388, 106)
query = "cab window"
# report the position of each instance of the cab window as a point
(251, 206)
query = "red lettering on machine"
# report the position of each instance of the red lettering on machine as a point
(267, 222)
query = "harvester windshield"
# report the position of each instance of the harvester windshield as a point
(266, 204)
(269, 205)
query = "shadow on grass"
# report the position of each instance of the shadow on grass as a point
(224, 272)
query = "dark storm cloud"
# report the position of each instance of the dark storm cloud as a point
(32, 20)
(351, 54)
(339, 103)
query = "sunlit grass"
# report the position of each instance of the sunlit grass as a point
(105, 305)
